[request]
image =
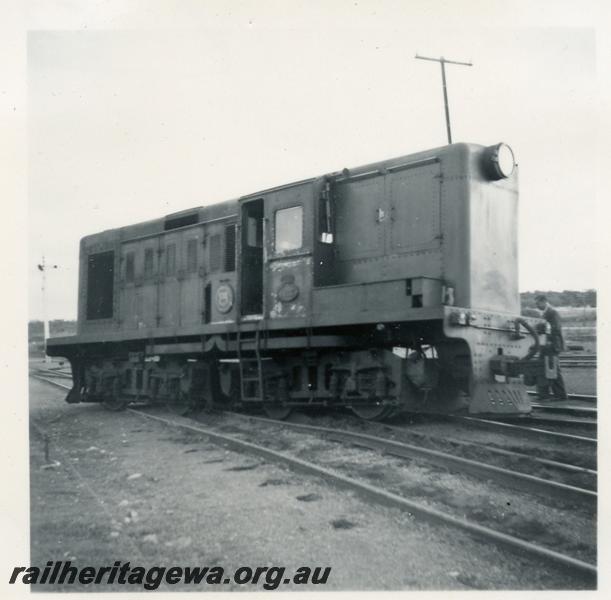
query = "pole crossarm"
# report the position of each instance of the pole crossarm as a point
(443, 61)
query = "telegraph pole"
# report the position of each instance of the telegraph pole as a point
(442, 61)
(42, 267)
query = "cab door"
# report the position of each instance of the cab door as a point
(251, 263)
(289, 244)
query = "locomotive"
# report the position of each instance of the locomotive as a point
(385, 288)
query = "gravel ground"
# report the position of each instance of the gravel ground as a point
(130, 489)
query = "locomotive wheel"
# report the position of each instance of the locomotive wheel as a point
(275, 410)
(115, 403)
(225, 387)
(112, 398)
(182, 404)
(372, 412)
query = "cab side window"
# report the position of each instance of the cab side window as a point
(288, 229)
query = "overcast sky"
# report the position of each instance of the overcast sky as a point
(129, 122)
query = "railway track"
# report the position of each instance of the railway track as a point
(568, 409)
(530, 432)
(581, 397)
(513, 479)
(555, 416)
(545, 419)
(494, 450)
(579, 360)
(57, 373)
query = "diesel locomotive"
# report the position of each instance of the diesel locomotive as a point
(384, 288)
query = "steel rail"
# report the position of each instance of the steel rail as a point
(587, 397)
(475, 445)
(499, 451)
(382, 496)
(433, 438)
(52, 373)
(568, 411)
(549, 419)
(514, 479)
(557, 406)
(47, 380)
(58, 376)
(535, 432)
(378, 495)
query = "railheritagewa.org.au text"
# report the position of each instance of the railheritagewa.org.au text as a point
(150, 578)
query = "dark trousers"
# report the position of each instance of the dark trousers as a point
(556, 386)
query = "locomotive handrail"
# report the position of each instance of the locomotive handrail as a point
(376, 282)
(348, 175)
(534, 349)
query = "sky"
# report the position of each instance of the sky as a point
(136, 110)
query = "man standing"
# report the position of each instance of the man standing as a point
(555, 345)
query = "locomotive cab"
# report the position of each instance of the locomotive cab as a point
(276, 255)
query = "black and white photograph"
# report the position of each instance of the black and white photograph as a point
(311, 296)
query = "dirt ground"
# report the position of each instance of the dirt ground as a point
(128, 489)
